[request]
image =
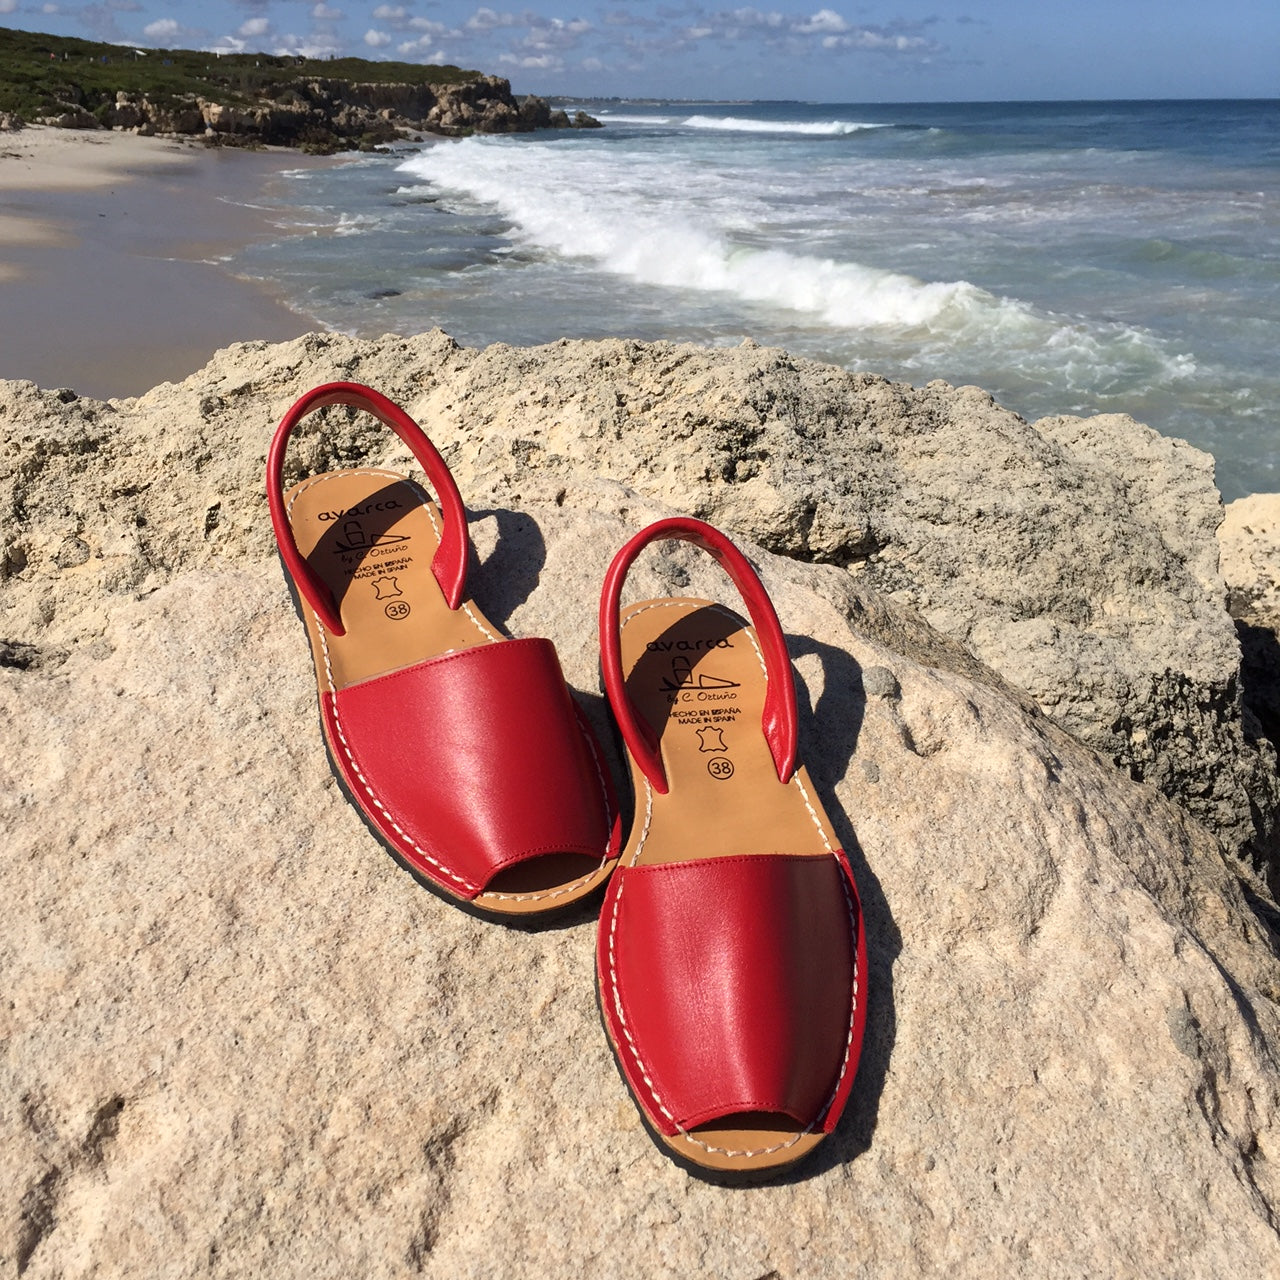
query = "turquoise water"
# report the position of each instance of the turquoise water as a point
(1068, 257)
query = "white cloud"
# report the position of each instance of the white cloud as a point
(376, 39)
(390, 13)
(880, 42)
(313, 46)
(419, 49)
(8, 6)
(824, 20)
(543, 63)
(322, 13)
(425, 24)
(754, 18)
(161, 29)
(255, 27)
(488, 20)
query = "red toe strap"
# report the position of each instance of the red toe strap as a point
(473, 761)
(735, 985)
(449, 564)
(779, 720)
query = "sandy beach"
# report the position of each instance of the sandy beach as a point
(110, 251)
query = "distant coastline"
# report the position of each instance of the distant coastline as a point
(255, 100)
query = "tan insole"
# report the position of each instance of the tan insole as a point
(370, 535)
(694, 671)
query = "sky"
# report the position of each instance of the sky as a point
(868, 51)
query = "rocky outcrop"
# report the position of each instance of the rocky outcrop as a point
(1249, 538)
(1074, 557)
(240, 1041)
(1249, 541)
(988, 526)
(325, 114)
(69, 118)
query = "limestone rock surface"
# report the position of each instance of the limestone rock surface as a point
(329, 114)
(1076, 557)
(240, 1041)
(1249, 538)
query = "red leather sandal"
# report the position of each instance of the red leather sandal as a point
(463, 750)
(731, 961)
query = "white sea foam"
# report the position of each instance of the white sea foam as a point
(618, 117)
(813, 128)
(625, 224)
(662, 224)
(356, 224)
(667, 225)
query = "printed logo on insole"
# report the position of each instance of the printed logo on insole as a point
(372, 553)
(711, 742)
(700, 697)
(360, 509)
(387, 588)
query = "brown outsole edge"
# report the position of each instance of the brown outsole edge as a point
(525, 922)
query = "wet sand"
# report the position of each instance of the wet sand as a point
(111, 249)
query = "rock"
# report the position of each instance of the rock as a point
(484, 105)
(222, 119)
(988, 527)
(402, 101)
(537, 114)
(70, 118)
(176, 117)
(10, 122)
(125, 114)
(1249, 539)
(330, 115)
(240, 1040)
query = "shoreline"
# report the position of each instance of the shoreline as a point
(111, 257)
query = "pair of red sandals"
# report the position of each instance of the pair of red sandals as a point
(731, 962)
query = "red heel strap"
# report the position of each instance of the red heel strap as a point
(779, 720)
(449, 565)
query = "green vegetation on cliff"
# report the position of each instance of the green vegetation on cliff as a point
(44, 75)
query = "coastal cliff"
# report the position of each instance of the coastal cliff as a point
(328, 115)
(247, 99)
(240, 1039)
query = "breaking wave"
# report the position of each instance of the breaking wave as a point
(658, 225)
(813, 129)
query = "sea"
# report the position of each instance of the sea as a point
(1069, 257)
